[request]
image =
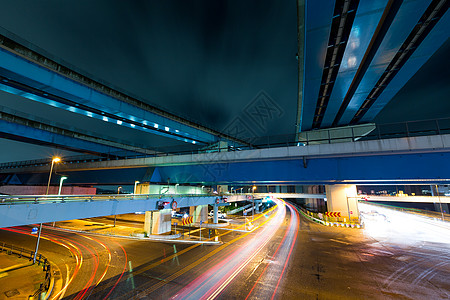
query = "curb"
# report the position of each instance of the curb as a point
(332, 224)
(169, 238)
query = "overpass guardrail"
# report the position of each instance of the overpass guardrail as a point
(39, 199)
(21, 252)
(381, 131)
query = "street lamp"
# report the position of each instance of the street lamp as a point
(135, 185)
(54, 160)
(253, 200)
(176, 188)
(61, 183)
(119, 188)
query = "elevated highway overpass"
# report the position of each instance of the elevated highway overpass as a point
(422, 159)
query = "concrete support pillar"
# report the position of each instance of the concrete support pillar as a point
(158, 222)
(200, 213)
(215, 216)
(258, 204)
(222, 189)
(148, 222)
(343, 198)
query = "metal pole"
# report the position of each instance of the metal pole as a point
(50, 176)
(348, 210)
(40, 224)
(60, 184)
(37, 243)
(440, 204)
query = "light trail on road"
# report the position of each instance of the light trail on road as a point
(215, 280)
(81, 251)
(273, 272)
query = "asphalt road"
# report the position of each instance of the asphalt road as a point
(285, 257)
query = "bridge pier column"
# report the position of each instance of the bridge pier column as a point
(439, 207)
(158, 222)
(257, 205)
(200, 213)
(343, 198)
(215, 216)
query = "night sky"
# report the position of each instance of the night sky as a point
(202, 60)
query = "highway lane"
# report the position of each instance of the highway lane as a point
(80, 262)
(285, 257)
(203, 271)
(381, 261)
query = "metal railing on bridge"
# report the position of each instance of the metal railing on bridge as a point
(382, 131)
(41, 199)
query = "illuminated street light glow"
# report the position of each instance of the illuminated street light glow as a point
(61, 183)
(55, 160)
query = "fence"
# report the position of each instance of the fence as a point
(21, 252)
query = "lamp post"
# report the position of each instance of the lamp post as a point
(135, 185)
(176, 188)
(61, 183)
(54, 160)
(440, 204)
(253, 200)
(119, 188)
(202, 188)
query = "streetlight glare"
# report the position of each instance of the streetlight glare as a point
(56, 159)
(254, 187)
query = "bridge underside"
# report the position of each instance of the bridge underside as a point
(359, 54)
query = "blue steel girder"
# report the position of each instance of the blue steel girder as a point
(354, 79)
(318, 18)
(398, 168)
(38, 136)
(403, 26)
(367, 17)
(57, 91)
(31, 75)
(420, 56)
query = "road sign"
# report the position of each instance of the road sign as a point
(34, 230)
(187, 220)
(174, 205)
(333, 214)
(175, 224)
(245, 213)
(201, 222)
